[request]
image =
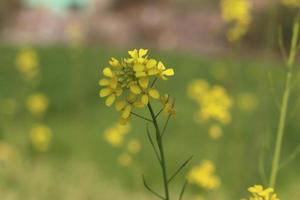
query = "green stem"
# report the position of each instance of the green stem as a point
(161, 152)
(284, 104)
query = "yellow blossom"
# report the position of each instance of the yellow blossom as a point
(37, 103)
(134, 146)
(41, 136)
(259, 193)
(115, 134)
(214, 102)
(27, 63)
(124, 160)
(237, 14)
(203, 176)
(215, 131)
(129, 82)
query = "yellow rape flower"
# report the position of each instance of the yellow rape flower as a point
(129, 82)
(115, 135)
(124, 160)
(214, 102)
(215, 131)
(259, 193)
(27, 63)
(134, 146)
(41, 136)
(203, 176)
(291, 3)
(37, 103)
(236, 13)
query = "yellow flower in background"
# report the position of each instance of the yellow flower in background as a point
(27, 63)
(37, 103)
(215, 131)
(129, 82)
(247, 102)
(7, 154)
(292, 3)
(133, 146)
(8, 106)
(115, 135)
(214, 102)
(259, 193)
(124, 160)
(204, 176)
(237, 14)
(41, 136)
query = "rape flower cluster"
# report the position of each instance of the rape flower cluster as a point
(259, 193)
(37, 103)
(27, 63)
(236, 13)
(40, 136)
(115, 136)
(291, 3)
(203, 176)
(130, 82)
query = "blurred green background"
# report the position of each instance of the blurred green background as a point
(80, 164)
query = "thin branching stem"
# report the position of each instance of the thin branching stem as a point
(183, 190)
(151, 190)
(142, 117)
(152, 144)
(180, 168)
(284, 104)
(161, 152)
(291, 157)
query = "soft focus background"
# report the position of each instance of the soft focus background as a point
(59, 141)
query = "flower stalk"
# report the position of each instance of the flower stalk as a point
(284, 104)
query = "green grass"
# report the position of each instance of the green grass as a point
(80, 163)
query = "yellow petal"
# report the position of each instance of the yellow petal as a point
(133, 53)
(118, 91)
(120, 105)
(161, 66)
(143, 52)
(135, 89)
(105, 92)
(123, 121)
(151, 63)
(153, 72)
(154, 93)
(110, 100)
(126, 112)
(169, 72)
(144, 82)
(138, 67)
(140, 74)
(104, 82)
(107, 72)
(114, 62)
(138, 104)
(145, 99)
(114, 83)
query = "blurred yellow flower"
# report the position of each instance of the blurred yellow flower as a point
(7, 154)
(37, 103)
(134, 146)
(237, 14)
(203, 176)
(27, 63)
(214, 102)
(130, 82)
(215, 131)
(8, 106)
(41, 136)
(124, 160)
(115, 135)
(247, 102)
(259, 193)
(292, 3)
